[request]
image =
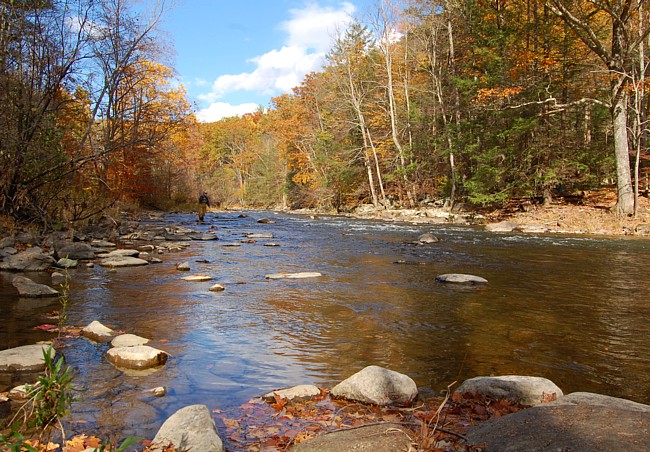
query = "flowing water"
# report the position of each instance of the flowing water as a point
(573, 309)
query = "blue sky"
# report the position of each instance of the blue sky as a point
(232, 56)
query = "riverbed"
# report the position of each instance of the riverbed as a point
(574, 309)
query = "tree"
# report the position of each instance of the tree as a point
(585, 19)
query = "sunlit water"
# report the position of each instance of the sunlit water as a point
(572, 309)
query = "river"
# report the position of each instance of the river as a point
(574, 309)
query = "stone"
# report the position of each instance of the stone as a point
(74, 250)
(197, 278)
(118, 261)
(298, 275)
(128, 340)
(159, 391)
(29, 289)
(379, 386)
(548, 427)
(384, 437)
(97, 332)
(26, 358)
(21, 393)
(503, 226)
(122, 252)
(295, 392)
(265, 221)
(427, 238)
(58, 278)
(190, 428)
(183, 267)
(32, 259)
(460, 278)
(67, 263)
(516, 389)
(136, 357)
(259, 236)
(217, 288)
(533, 228)
(592, 399)
(102, 244)
(7, 242)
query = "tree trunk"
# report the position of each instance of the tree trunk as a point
(625, 203)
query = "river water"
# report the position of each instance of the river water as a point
(574, 309)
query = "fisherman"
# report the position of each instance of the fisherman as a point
(204, 203)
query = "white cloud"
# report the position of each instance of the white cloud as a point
(220, 110)
(310, 33)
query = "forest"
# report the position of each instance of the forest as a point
(449, 102)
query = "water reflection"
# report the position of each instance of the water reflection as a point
(571, 309)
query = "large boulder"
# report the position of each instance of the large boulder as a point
(32, 259)
(378, 386)
(27, 358)
(136, 357)
(517, 389)
(191, 428)
(30, 289)
(592, 399)
(579, 426)
(74, 250)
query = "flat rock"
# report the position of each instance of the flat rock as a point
(121, 252)
(217, 288)
(296, 392)
(378, 386)
(27, 358)
(580, 427)
(191, 428)
(122, 261)
(183, 267)
(385, 437)
(97, 332)
(592, 399)
(503, 226)
(128, 340)
(64, 262)
(298, 275)
(30, 289)
(136, 357)
(75, 250)
(460, 278)
(262, 235)
(197, 278)
(517, 389)
(32, 259)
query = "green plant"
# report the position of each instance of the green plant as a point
(15, 443)
(64, 298)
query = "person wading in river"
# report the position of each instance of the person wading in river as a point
(204, 203)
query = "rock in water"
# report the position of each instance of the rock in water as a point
(378, 386)
(191, 428)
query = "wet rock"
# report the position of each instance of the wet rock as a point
(102, 244)
(58, 278)
(118, 261)
(191, 428)
(460, 278)
(385, 437)
(136, 357)
(29, 289)
(118, 253)
(517, 389)
(265, 221)
(217, 288)
(197, 278)
(378, 386)
(259, 236)
(159, 391)
(503, 226)
(298, 275)
(32, 259)
(128, 340)
(533, 228)
(427, 238)
(97, 332)
(184, 267)
(27, 358)
(271, 244)
(296, 392)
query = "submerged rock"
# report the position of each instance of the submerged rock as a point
(191, 428)
(378, 386)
